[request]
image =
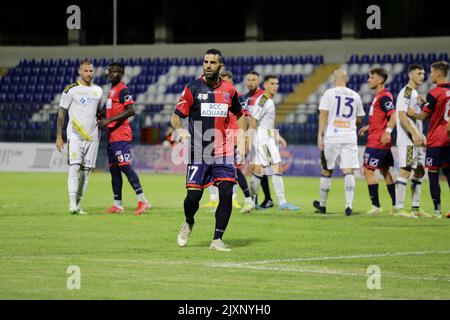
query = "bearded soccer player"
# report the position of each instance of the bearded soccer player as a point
(437, 110)
(248, 100)
(119, 107)
(207, 102)
(378, 155)
(410, 140)
(82, 100)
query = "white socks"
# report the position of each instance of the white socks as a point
(349, 184)
(255, 182)
(416, 188)
(83, 180)
(73, 186)
(400, 190)
(325, 185)
(278, 185)
(234, 190)
(213, 193)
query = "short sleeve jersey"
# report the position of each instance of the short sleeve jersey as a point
(119, 97)
(438, 106)
(208, 109)
(82, 103)
(381, 109)
(407, 98)
(344, 106)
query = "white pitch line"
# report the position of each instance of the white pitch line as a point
(375, 255)
(342, 273)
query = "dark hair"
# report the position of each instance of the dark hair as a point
(441, 66)
(415, 66)
(85, 61)
(226, 73)
(215, 52)
(270, 76)
(118, 65)
(253, 72)
(382, 72)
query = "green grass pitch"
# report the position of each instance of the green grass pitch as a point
(275, 255)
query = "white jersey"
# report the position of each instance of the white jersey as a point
(343, 105)
(82, 102)
(264, 113)
(407, 98)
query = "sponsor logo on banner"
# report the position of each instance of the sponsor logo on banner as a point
(219, 110)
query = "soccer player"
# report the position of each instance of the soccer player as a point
(248, 102)
(82, 100)
(213, 190)
(265, 140)
(341, 111)
(437, 109)
(207, 102)
(119, 107)
(410, 139)
(378, 155)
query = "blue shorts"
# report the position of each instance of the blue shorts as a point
(378, 158)
(119, 153)
(204, 175)
(437, 157)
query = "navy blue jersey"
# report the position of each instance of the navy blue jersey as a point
(209, 121)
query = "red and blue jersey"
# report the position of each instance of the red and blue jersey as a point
(381, 109)
(208, 109)
(438, 106)
(119, 97)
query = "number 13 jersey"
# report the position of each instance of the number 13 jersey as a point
(344, 106)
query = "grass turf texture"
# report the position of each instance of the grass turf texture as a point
(127, 257)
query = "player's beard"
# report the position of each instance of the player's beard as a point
(213, 77)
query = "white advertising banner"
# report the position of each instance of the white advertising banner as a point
(32, 157)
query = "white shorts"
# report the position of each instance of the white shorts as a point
(266, 151)
(82, 152)
(346, 153)
(411, 156)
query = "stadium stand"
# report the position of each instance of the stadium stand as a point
(30, 92)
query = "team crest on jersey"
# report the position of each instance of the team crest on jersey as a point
(202, 96)
(227, 97)
(127, 98)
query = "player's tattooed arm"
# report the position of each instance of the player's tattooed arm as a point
(59, 125)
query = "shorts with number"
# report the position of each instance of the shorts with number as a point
(82, 152)
(421, 154)
(204, 175)
(378, 158)
(437, 157)
(408, 156)
(119, 153)
(267, 152)
(344, 154)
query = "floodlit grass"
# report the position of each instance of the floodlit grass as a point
(275, 255)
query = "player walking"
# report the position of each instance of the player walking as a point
(82, 100)
(119, 107)
(341, 111)
(207, 102)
